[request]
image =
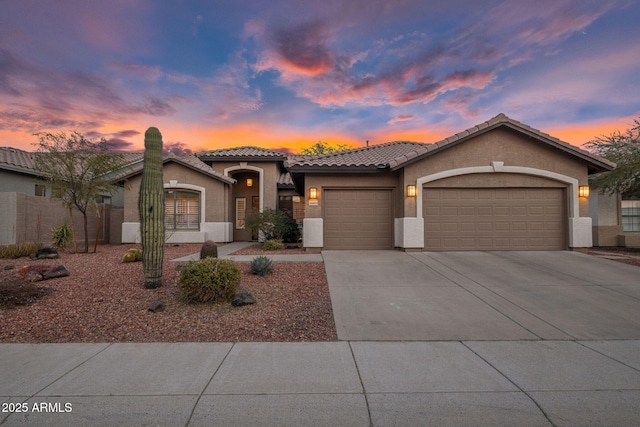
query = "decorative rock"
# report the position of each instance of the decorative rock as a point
(59, 271)
(33, 276)
(9, 267)
(45, 253)
(156, 306)
(244, 298)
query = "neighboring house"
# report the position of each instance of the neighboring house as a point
(616, 221)
(18, 173)
(28, 216)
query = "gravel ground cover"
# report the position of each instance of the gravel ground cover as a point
(256, 249)
(104, 300)
(629, 256)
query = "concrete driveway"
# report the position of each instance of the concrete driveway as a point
(392, 295)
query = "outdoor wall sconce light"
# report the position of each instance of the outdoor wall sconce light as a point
(583, 191)
(411, 190)
(249, 182)
(313, 196)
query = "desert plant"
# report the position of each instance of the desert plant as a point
(272, 245)
(78, 170)
(19, 250)
(151, 208)
(209, 249)
(273, 224)
(132, 255)
(290, 229)
(62, 235)
(209, 280)
(261, 266)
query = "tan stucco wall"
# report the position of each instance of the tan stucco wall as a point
(362, 181)
(271, 175)
(217, 199)
(606, 215)
(499, 145)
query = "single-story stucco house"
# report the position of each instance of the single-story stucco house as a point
(500, 185)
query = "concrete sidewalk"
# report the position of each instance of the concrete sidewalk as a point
(455, 383)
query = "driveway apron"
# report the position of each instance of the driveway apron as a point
(442, 296)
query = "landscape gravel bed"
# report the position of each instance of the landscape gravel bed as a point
(104, 300)
(256, 249)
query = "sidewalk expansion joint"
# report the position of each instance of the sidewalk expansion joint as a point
(514, 384)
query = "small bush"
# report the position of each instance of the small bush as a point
(61, 236)
(132, 255)
(209, 280)
(261, 266)
(19, 250)
(272, 245)
(209, 249)
(274, 224)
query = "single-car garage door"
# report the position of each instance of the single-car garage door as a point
(494, 219)
(358, 219)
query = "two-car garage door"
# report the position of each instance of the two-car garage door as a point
(454, 219)
(494, 219)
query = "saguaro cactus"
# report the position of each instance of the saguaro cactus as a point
(151, 208)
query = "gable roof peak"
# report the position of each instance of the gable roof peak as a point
(243, 151)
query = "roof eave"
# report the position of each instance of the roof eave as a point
(138, 170)
(209, 158)
(339, 169)
(596, 164)
(21, 169)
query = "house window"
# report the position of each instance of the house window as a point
(41, 190)
(241, 212)
(631, 215)
(182, 210)
(286, 204)
(103, 199)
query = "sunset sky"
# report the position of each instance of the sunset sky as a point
(286, 74)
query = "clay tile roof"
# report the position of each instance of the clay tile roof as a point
(377, 156)
(285, 180)
(243, 152)
(13, 158)
(191, 162)
(501, 119)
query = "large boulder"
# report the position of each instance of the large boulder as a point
(243, 298)
(45, 253)
(59, 271)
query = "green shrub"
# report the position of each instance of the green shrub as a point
(209, 249)
(272, 245)
(273, 224)
(132, 255)
(19, 250)
(291, 232)
(62, 235)
(261, 266)
(209, 280)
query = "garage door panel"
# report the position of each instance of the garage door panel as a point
(503, 219)
(358, 219)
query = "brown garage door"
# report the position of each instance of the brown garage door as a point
(494, 219)
(358, 219)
